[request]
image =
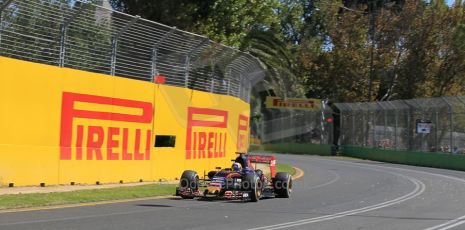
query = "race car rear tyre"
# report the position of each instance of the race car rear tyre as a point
(189, 180)
(252, 183)
(282, 185)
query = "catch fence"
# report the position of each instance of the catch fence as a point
(89, 37)
(295, 126)
(427, 125)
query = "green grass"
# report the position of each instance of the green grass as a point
(84, 196)
(95, 195)
(285, 168)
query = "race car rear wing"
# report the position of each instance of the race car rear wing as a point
(258, 161)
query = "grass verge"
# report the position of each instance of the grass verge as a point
(96, 195)
(285, 168)
(84, 196)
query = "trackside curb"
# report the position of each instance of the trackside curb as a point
(299, 173)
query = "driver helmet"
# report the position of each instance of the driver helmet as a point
(236, 167)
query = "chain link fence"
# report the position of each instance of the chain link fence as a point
(428, 125)
(89, 37)
(294, 126)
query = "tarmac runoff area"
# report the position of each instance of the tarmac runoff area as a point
(334, 193)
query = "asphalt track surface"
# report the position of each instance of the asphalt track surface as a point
(333, 194)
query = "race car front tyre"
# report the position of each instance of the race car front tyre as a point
(252, 183)
(189, 180)
(282, 185)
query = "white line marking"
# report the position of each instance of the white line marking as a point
(447, 225)
(454, 225)
(337, 177)
(419, 189)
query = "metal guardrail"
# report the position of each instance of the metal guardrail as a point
(88, 37)
(392, 124)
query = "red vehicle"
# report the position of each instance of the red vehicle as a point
(250, 178)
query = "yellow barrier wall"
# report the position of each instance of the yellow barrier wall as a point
(60, 125)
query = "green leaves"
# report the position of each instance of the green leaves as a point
(416, 51)
(323, 48)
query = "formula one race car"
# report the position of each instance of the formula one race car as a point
(250, 178)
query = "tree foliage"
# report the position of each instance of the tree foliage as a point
(333, 49)
(224, 21)
(417, 51)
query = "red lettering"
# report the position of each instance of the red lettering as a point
(219, 145)
(202, 143)
(112, 143)
(215, 155)
(94, 145)
(194, 147)
(69, 112)
(148, 145)
(242, 131)
(80, 134)
(240, 141)
(126, 155)
(137, 154)
(224, 146)
(210, 144)
(109, 140)
(198, 143)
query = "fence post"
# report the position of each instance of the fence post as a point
(61, 60)
(212, 83)
(385, 124)
(187, 63)
(229, 73)
(322, 120)
(239, 93)
(451, 116)
(341, 126)
(114, 43)
(2, 8)
(373, 120)
(396, 118)
(436, 126)
(249, 91)
(154, 70)
(396, 138)
(1, 30)
(353, 127)
(188, 59)
(63, 33)
(365, 127)
(451, 124)
(409, 125)
(212, 75)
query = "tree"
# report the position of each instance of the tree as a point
(184, 14)
(333, 49)
(417, 50)
(223, 21)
